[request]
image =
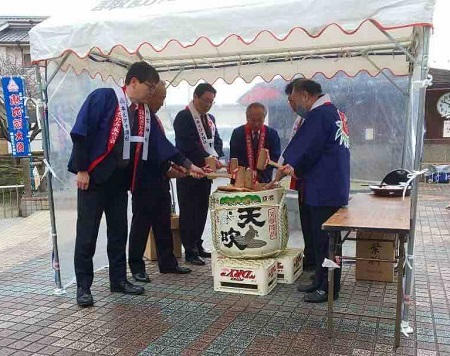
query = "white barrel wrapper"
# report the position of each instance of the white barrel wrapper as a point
(249, 224)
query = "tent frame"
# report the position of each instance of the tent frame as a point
(421, 41)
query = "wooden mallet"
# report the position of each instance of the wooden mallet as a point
(234, 163)
(249, 178)
(239, 180)
(211, 162)
(264, 160)
(214, 175)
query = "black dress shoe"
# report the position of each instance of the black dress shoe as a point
(318, 296)
(141, 277)
(309, 275)
(307, 288)
(126, 287)
(84, 297)
(204, 253)
(195, 260)
(177, 270)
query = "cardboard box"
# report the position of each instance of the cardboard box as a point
(150, 249)
(289, 265)
(377, 246)
(257, 276)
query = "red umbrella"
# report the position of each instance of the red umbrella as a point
(260, 93)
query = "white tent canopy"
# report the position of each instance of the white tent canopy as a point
(192, 40)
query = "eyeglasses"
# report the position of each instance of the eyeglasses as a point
(206, 101)
(152, 87)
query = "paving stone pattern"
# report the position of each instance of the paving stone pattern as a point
(182, 315)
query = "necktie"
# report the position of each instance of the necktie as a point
(206, 125)
(132, 111)
(136, 147)
(255, 142)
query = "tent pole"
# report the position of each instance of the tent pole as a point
(397, 43)
(412, 59)
(42, 115)
(407, 128)
(417, 162)
(380, 70)
(58, 67)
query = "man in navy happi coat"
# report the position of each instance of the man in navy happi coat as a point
(152, 200)
(297, 184)
(110, 125)
(248, 140)
(319, 153)
(197, 138)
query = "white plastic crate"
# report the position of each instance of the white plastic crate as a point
(289, 265)
(258, 276)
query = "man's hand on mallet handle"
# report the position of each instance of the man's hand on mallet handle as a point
(283, 171)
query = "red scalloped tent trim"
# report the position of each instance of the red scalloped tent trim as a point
(98, 74)
(280, 39)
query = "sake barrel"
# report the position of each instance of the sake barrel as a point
(249, 224)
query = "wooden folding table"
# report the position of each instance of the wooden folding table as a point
(368, 212)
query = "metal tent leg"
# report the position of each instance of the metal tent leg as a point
(417, 162)
(46, 146)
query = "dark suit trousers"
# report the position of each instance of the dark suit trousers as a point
(305, 221)
(193, 200)
(151, 210)
(110, 197)
(320, 214)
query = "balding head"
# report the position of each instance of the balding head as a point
(156, 101)
(256, 114)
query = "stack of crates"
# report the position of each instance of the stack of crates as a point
(256, 276)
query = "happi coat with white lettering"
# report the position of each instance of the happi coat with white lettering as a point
(96, 127)
(320, 154)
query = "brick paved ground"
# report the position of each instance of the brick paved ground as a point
(182, 315)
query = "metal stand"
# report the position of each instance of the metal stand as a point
(331, 256)
(401, 261)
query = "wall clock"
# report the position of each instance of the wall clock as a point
(443, 105)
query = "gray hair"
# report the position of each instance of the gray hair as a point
(308, 85)
(256, 105)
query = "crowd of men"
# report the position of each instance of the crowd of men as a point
(119, 145)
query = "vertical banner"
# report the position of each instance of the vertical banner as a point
(13, 92)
